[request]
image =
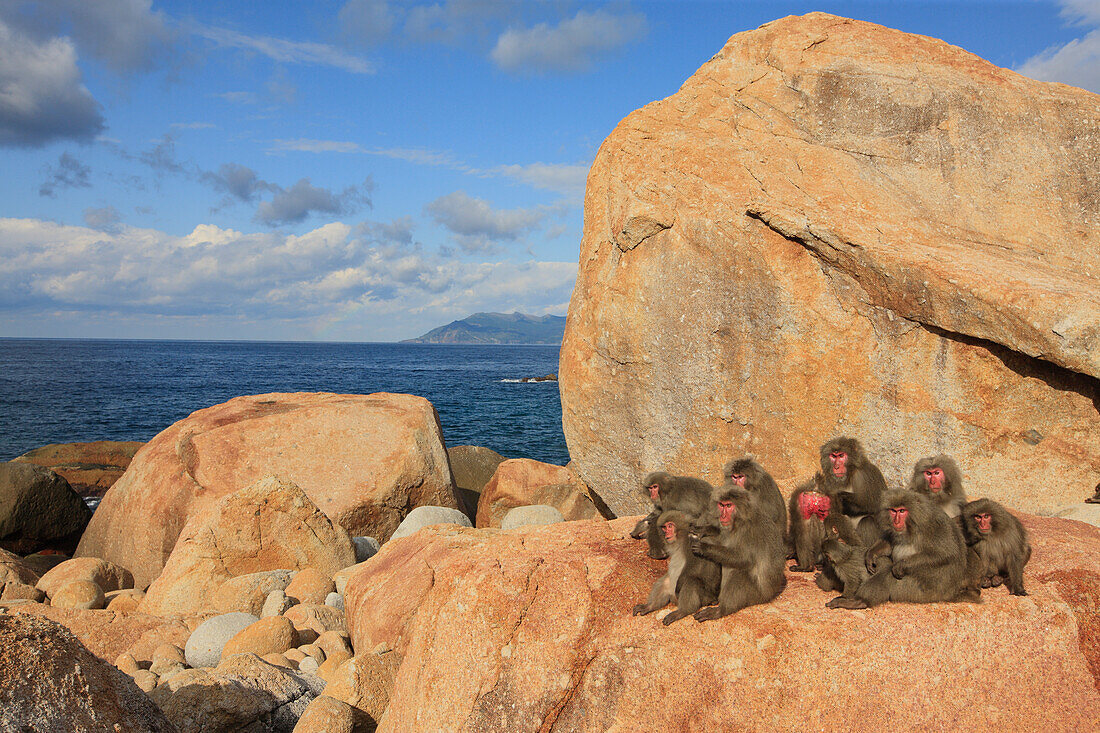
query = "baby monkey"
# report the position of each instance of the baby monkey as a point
(691, 581)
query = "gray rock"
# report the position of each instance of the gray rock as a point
(37, 506)
(1088, 513)
(308, 665)
(276, 604)
(204, 647)
(426, 516)
(365, 548)
(335, 600)
(472, 466)
(534, 514)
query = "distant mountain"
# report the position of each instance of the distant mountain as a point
(497, 328)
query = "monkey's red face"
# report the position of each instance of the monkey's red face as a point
(839, 459)
(984, 522)
(899, 515)
(934, 478)
(726, 510)
(739, 479)
(654, 490)
(670, 531)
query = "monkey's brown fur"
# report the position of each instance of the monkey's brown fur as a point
(750, 550)
(687, 494)
(1095, 498)
(997, 556)
(952, 497)
(860, 490)
(844, 554)
(691, 582)
(760, 484)
(927, 557)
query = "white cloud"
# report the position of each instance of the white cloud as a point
(367, 282)
(476, 225)
(562, 178)
(284, 51)
(294, 204)
(42, 98)
(307, 145)
(572, 45)
(1078, 62)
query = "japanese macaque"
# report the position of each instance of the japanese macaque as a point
(939, 477)
(748, 546)
(998, 546)
(691, 581)
(809, 505)
(928, 560)
(687, 494)
(856, 482)
(751, 476)
(844, 553)
(1095, 498)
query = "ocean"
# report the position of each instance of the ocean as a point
(71, 390)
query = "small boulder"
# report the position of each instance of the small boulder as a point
(340, 579)
(271, 525)
(38, 508)
(312, 619)
(335, 644)
(308, 664)
(272, 635)
(204, 647)
(103, 573)
(243, 693)
(335, 600)
(45, 561)
(365, 682)
(166, 657)
(472, 466)
(365, 548)
(310, 585)
(276, 604)
(124, 601)
(530, 515)
(524, 482)
(15, 591)
(15, 570)
(247, 593)
(326, 715)
(426, 516)
(126, 663)
(81, 594)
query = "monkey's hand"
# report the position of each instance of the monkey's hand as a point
(641, 610)
(898, 570)
(697, 545)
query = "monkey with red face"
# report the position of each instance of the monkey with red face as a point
(940, 479)
(810, 505)
(856, 482)
(748, 546)
(998, 546)
(928, 561)
(751, 476)
(667, 492)
(691, 581)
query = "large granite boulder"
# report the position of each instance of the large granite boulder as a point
(90, 468)
(532, 630)
(38, 508)
(270, 525)
(524, 482)
(365, 460)
(838, 228)
(50, 682)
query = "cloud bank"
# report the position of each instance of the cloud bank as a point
(572, 45)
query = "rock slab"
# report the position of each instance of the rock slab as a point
(532, 630)
(90, 468)
(827, 230)
(50, 682)
(363, 459)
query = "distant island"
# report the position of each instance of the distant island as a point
(497, 328)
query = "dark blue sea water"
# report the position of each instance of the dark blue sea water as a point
(63, 391)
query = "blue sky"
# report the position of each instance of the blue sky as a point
(356, 170)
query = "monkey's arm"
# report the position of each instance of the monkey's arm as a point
(876, 551)
(642, 527)
(866, 492)
(718, 553)
(929, 558)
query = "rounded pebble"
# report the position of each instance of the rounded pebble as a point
(426, 516)
(204, 646)
(522, 516)
(80, 594)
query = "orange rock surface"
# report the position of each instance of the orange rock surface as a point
(522, 482)
(532, 630)
(363, 459)
(90, 468)
(838, 228)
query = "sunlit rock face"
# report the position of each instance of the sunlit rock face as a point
(838, 228)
